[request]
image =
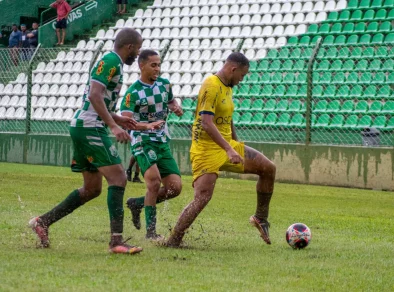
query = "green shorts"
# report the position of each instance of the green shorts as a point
(92, 149)
(148, 153)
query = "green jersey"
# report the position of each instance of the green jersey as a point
(149, 103)
(108, 72)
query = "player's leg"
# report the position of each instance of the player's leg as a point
(91, 188)
(58, 34)
(63, 35)
(130, 168)
(137, 171)
(203, 190)
(256, 163)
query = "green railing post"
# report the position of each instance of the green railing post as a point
(308, 114)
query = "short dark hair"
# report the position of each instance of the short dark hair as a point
(127, 36)
(238, 58)
(14, 25)
(145, 54)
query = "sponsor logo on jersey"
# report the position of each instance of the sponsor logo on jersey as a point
(111, 74)
(100, 68)
(114, 151)
(223, 120)
(127, 101)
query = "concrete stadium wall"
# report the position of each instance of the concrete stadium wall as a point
(360, 167)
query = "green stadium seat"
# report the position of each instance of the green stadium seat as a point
(270, 119)
(295, 106)
(269, 106)
(385, 26)
(384, 91)
(186, 118)
(322, 121)
(381, 52)
(243, 90)
(282, 106)
(325, 78)
(292, 91)
(245, 119)
(245, 105)
(330, 91)
(364, 122)
(324, 29)
(254, 91)
(348, 28)
(377, 39)
(352, 4)
(361, 107)
(312, 29)
(347, 107)
(315, 77)
(379, 78)
(388, 3)
(331, 53)
(379, 122)
(375, 107)
(253, 78)
(275, 65)
(390, 78)
(328, 40)
(362, 65)
(305, 40)
(257, 120)
(272, 54)
(173, 118)
(351, 122)
(366, 77)
(333, 16)
(296, 121)
(370, 91)
(356, 53)
(236, 118)
(257, 105)
(344, 15)
(340, 40)
(321, 53)
(389, 39)
(388, 108)
(252, 66)
(352, 40)
(364, 4)
(194, 105)
(368, 52)
(284, 53)
(343, 91)
(344, 53)
(333, 106)
(320, 107)
(339, 77)
(299, 65)
(287, 65)
(375, 65)
(336, 65)
(187, 103)
(388, 65)
(356, 91)
(263, 66)
(236, 103)
(315, 39)
(369, 15)
(381, 14)
(301, 78)
(365, 39)
(372, 27)
(289, 78)
(390, 124)
(301, 93)
(292, 41)
(337, 121)
(280, 90)
(317, 91)
(295, 53)
(377, 4)
(276, 77)
(360, 27)
(352, 78)
(283, 120)
(356, 15)
(323, 65)
(265, 78)
(348, 65)
(336, 28)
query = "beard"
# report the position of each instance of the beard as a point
(130, 60)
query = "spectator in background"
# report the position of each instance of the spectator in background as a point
(120, 2)
(63, 9)
(33, 36)
(15, 42)
(24, 55)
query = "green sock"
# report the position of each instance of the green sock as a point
(72, 202)
(263, 204)
(150, 217)
(115, 208)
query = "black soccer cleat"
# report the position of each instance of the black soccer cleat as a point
(135, 212)
(137, 179)
(128, 174)
(262, 226)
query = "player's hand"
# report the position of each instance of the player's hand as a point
(126, 122)
(234, 157)
(121, 135)
(177, 110)
(155, 125)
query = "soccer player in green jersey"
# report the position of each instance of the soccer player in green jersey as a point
(148, 101)
(94, 154)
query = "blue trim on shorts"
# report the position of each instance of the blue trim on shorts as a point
(206, 113)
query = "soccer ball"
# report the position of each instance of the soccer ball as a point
(298, 235)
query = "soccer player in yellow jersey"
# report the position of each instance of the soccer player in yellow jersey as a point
(215, 147)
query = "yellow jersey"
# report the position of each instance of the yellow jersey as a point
(215, 99)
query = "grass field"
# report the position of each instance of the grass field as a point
(351, 250)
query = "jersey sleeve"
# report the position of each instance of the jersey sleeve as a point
(170, 94)
(129, 102)
(207, 98)
(104, 71)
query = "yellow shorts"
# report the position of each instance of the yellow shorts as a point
(213, 161)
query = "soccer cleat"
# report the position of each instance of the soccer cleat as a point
(262, 226)
(137, 179)
(128, 174)
(153, 236)
(42, 231)
(118, 246)
(135, 212)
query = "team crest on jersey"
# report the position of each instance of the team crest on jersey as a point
(152, 155)
(114, 151)
(100, 68)
(112, 72)
(127, 101)
(90, 159)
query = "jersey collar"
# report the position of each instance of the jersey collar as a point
(121, 61)
(146, 84)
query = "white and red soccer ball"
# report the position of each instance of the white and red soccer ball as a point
(298, 235)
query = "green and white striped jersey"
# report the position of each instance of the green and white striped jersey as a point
(148, 103)
(108, 72)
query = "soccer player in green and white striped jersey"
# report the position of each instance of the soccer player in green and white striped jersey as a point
(94, 154)
(148, 101)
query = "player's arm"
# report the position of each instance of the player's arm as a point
(233, 133)
(53, 5)
(96, 98)
(142, 126)
(124, 122)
